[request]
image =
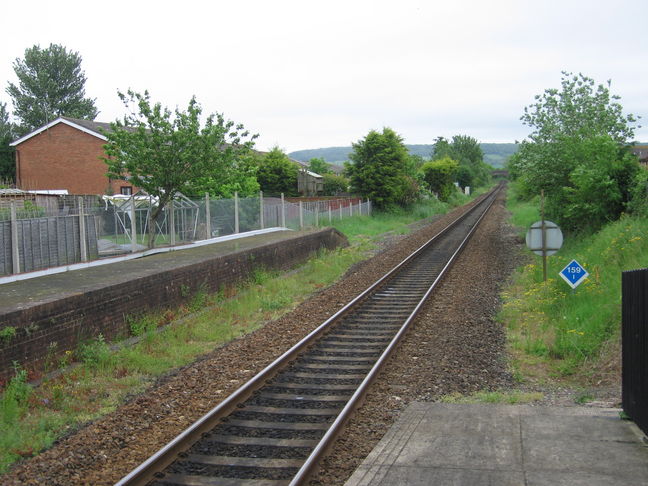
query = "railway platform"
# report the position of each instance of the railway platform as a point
(56, 309)
(23, 290)
(506, 445)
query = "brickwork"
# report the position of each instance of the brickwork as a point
(64, 157)
(70, 321)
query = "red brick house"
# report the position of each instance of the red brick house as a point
(66, 154)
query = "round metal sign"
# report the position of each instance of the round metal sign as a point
(547, 245)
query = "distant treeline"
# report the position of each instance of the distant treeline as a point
(495, 154)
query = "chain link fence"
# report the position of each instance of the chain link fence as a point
(50, 231)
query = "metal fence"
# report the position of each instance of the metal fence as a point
(36, 236)
(634, 286)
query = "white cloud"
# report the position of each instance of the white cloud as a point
(306, 74)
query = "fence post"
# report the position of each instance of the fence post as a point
(83, 245)
(207, 216)
(283, 211)
(261, 209)
(329, 210)
(316, 214)
(236, 213)
(351, 207)
(133, 225)
(172, 223)
(301, 215)
(340, 207)
(15, 254)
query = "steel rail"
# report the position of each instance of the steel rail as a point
(311, 463)
(146, 471)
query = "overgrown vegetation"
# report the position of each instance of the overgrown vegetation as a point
(579, 155)
(561, 331)
(33, 418)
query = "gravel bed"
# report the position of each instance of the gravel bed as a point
(454, 346)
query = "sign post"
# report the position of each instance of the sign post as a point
(544, 238)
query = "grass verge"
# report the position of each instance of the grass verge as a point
(555, 332)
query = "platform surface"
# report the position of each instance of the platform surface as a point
(46, 288)
(506, 445)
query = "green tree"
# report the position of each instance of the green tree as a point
(51, 83)
(334, 184)
(239, 176)
(467, 152)
(380, 169)
(164, 152)
(580, 109)
(7, 134)
(577, 153)
(441, 148)
(277, 173)
(319, 166)
(440, 175)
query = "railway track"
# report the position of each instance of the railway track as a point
(275, 428)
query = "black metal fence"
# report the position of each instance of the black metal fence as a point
(634, 286)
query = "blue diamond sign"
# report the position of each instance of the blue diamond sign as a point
(574, 274)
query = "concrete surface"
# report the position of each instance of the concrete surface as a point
(477, 444)
(45, 288)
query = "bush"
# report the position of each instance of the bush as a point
(440, 176)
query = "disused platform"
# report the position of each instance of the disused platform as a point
(53, 313)
(506, 445)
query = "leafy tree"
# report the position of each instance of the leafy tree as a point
(50, 84)
(468, 153)
(579, 110)
(334, 184)
(239, 177)
(163, 152)
(380, 169)
(319, 166)
(577, 154)
(440, 175)
(277, 173)
(7, 134)
(441, 148)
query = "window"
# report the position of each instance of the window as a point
(126, 190)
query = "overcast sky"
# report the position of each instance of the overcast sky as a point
(308, 74)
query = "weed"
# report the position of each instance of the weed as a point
(260, 276)
(141, 325)
(14, 398)
(65, 359)
(583, 398)
(199, 299)
(275, 302)
(96, 354)
(50, 356)
(7, 334)
(508, 397)
(185, 291)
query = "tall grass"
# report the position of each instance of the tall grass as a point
(569, 327)
(395, 221)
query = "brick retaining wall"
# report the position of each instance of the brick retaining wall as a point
(78, 318)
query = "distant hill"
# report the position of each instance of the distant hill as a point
(495, 154)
